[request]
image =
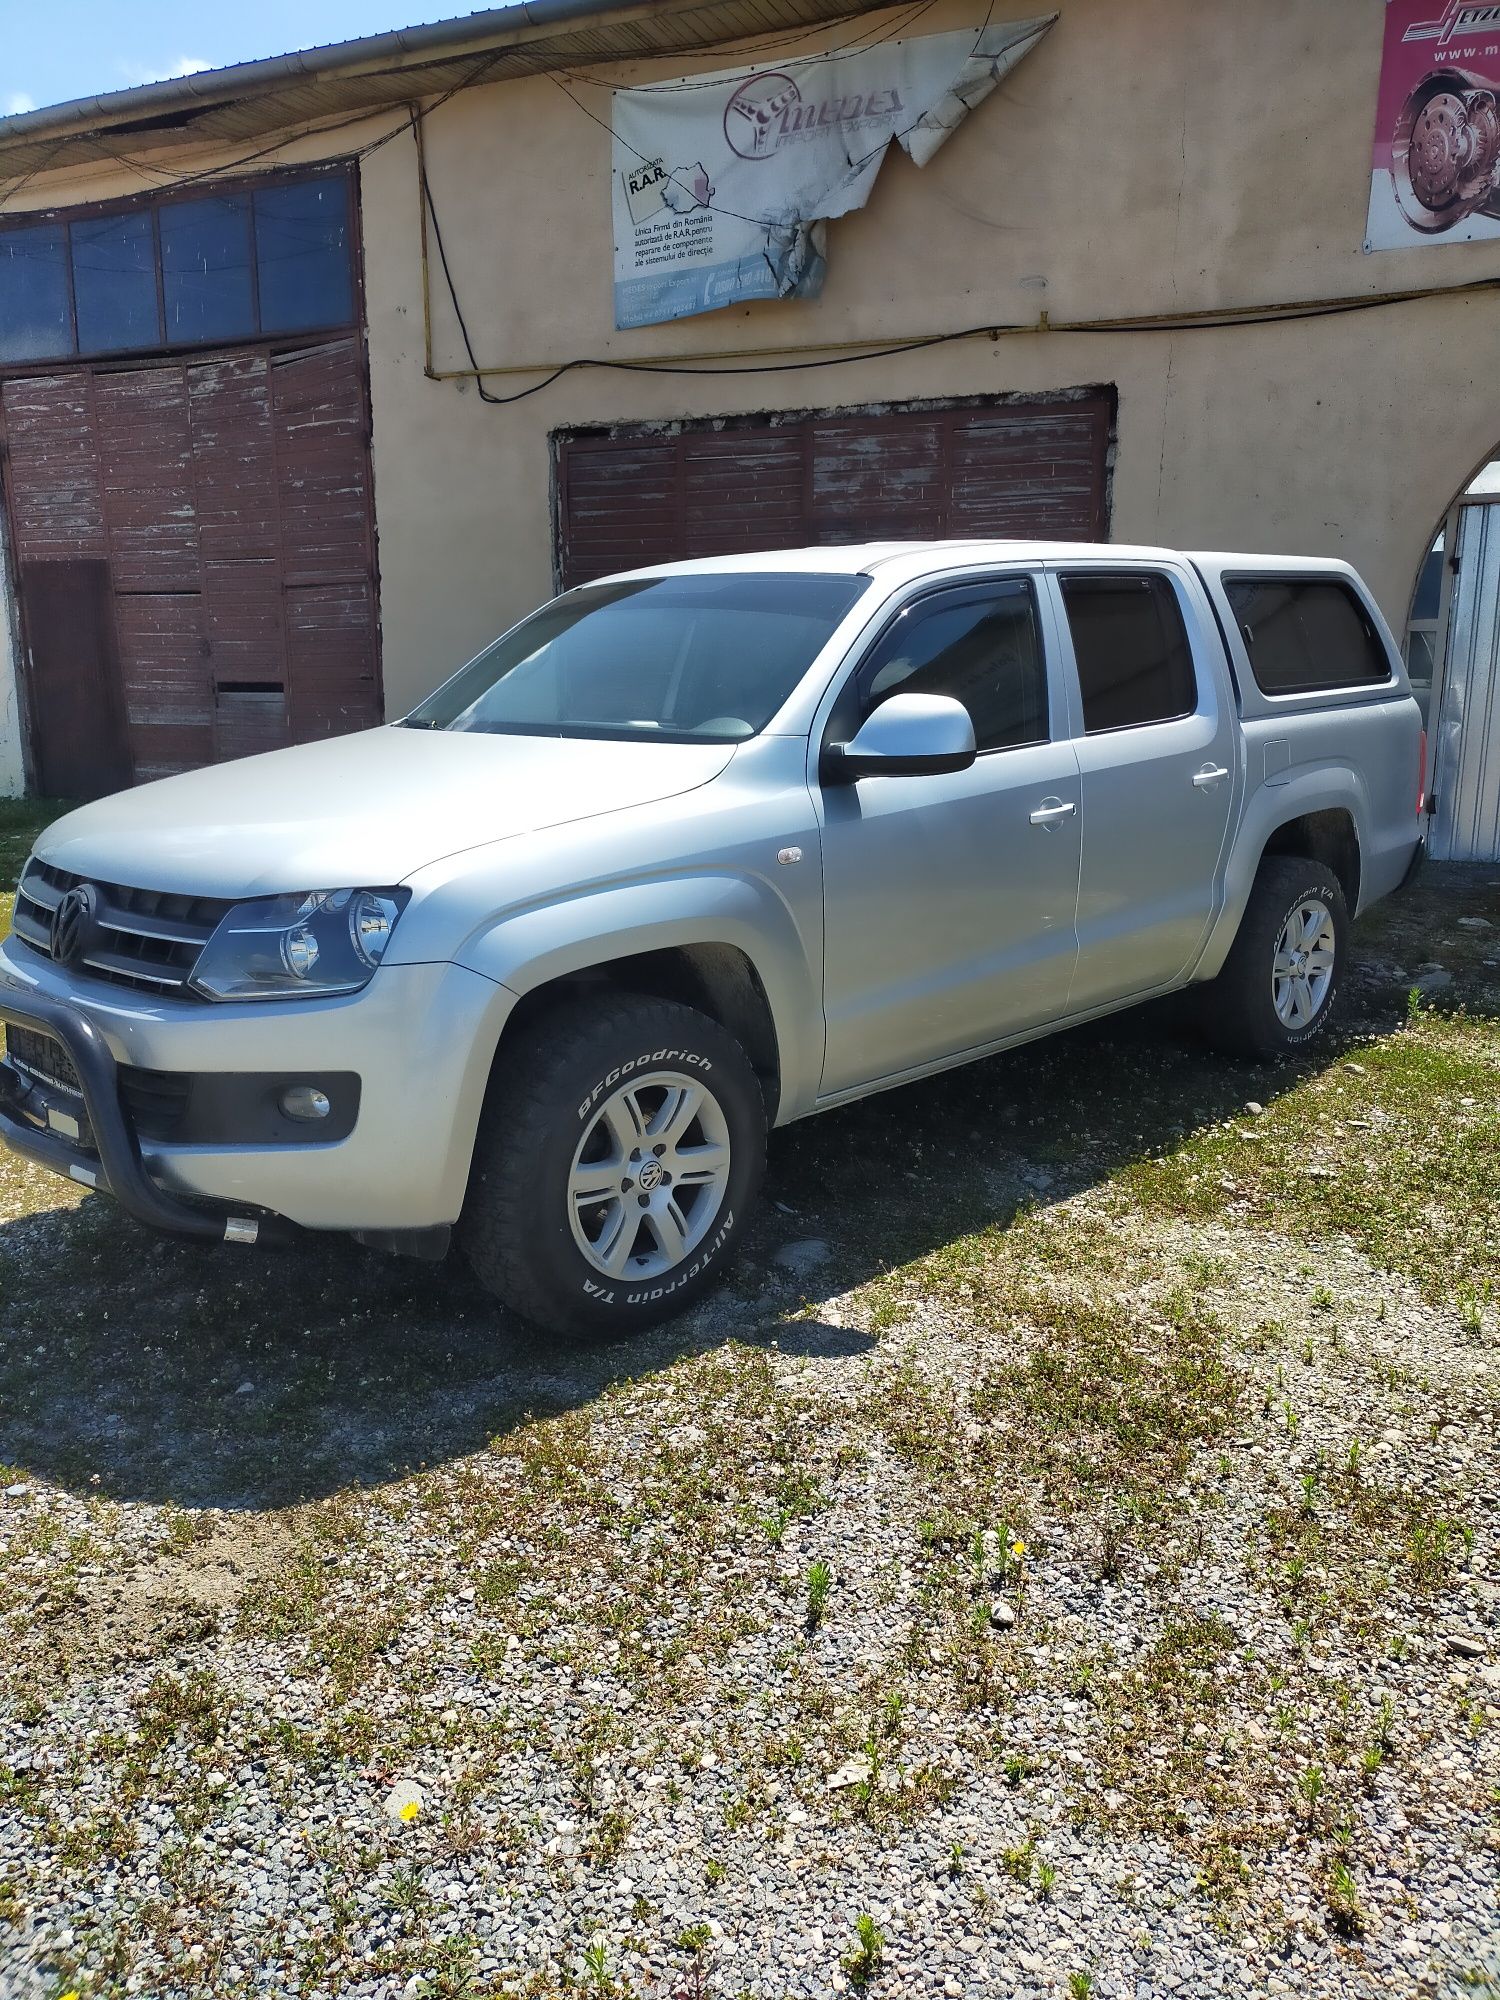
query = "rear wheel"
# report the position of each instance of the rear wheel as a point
(616, 1164)
(1280, 983)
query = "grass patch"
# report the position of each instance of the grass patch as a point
(1395, 1146)
(1108, 1390)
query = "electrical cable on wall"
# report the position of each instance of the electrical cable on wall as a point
(1214, 320)
(415, 116)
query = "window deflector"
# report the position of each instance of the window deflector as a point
(847, 709)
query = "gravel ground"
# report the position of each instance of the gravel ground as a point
(1064, 1564)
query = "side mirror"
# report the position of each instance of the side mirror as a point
(908, 736)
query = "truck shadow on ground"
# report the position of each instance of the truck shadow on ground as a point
(138, 1369)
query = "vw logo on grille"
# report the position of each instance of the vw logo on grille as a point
(73, 923)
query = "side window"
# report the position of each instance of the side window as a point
(1134, 661)
(982, 648)
(1306, 634)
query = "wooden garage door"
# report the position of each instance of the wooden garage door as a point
(656, 493)
(225, 500)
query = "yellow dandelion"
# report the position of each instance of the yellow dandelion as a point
(1018, 1549)
(410, 1810)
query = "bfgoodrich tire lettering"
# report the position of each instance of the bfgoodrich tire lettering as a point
(1280, 984)
(617, 1161)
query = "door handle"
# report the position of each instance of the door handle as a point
(1050, 811)
(1209, 776)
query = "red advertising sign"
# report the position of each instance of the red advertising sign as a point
(1436, 172)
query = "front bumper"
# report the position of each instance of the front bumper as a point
(96, 1143)
(421, 1037)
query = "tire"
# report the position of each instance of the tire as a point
(563, 1107)
(1248, 1010)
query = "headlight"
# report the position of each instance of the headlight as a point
(328, 941)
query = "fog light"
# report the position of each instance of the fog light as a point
(305, 1100)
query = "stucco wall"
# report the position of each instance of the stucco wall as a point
(1166, 155)
(1151, 156)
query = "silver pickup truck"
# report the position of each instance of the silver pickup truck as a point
(689, 853)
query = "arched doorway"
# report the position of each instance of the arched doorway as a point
(1453, 658)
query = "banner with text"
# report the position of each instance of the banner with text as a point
(1435, 177)
(722, 183)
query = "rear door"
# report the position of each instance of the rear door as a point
(949, 899)
(1158, 758)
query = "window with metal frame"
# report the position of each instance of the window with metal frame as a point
(1306, 634)
(1422, 627)
(175, 271)
(982, 646)
(208, 288)
(36, 308)
(1135, 665)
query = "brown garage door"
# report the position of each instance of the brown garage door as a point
(656, 493)
(218, 510)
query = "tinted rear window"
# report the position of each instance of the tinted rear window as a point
(1134, 664)
(1306, 635)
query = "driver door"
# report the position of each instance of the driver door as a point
(950, 902)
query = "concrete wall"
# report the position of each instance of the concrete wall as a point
(1150, 156)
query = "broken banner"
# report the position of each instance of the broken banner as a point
(722, 183)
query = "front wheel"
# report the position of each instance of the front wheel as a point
(1280, 983)
(616, 1165)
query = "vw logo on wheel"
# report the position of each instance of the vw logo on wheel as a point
(73, 923)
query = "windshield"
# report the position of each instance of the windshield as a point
(687, 659)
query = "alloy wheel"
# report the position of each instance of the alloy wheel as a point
(649, 1176)
(1302, 970)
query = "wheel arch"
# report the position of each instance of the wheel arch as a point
(720, 942)
(719, 980)
(1320, 815)
(1329, 836)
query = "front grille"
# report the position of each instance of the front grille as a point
(155, 1100)
(42, 1059)
(143, 938)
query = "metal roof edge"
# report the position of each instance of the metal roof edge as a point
(493, 28)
